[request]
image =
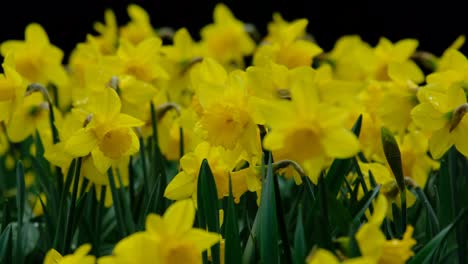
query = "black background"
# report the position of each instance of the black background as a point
(435, 23)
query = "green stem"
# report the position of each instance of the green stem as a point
(71, 213)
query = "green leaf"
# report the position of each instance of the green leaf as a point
(425, 254)
(6, 244)
(444, 212)
(20, 204)
(268, 237)
(207, 200)
(340, 167)
(116, 204)
(366, 202)
(21, 191)
(393, 156)
(232, 250)
(61, 219)
(300, 250)
(70, 218)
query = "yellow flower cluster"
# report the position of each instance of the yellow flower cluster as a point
(295, 100)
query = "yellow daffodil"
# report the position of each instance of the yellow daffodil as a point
(139, 28)
(80, 256)
(141, 60)
(107, 40)
(387, 52)
(442, 112)
(222, 163)
(227, 114)
(31, 114)
(372, 241)
(322, 256)
(12, 88)
(167, 239)
(285, 45)
(352, 59)
(416, 163)
(37, 60)
(226, 39)
(109, 136)
(306, 130)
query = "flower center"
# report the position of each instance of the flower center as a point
(225, 124)
(115, 143)
(183, 253)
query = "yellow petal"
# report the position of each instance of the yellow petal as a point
(181, 187)
(36, 35)
(370, 240)
(427, 117)
(101, 162)
(81, 143)
(202, 239)
(274, 140)
(20, 126)
(53, 257)
(403, 49)
(155, 225)
(83, 250)
(105, 104)
(460, 136)
(179, 217)
(321, 256)
(440, 141)
(137, 248)
(380, 210)
(124, 120)
(340, 143)
(407, 70)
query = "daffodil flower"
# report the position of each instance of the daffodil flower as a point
(167, 239)
(226, 39)
(80, 256)
(443, 112)
(109, 136)
(372, 241)
(139, 28)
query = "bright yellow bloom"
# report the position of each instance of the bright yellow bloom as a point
(372, 241)
(79, 257)
(107, 40)
(382, 175)
(222, 164)
(226, 39)
(387, 53)
(280, 30)
(141, 60)
(31, 114)
(139, 28)
(109, 136)
(400, 96)
(415, 161)
(35, 58)
(184, 49)
(226, 118)
(285, 45)
(306, 130)
(167, 239)
(12, 88)
(352, 59)
(442, 112)
(322, 256)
